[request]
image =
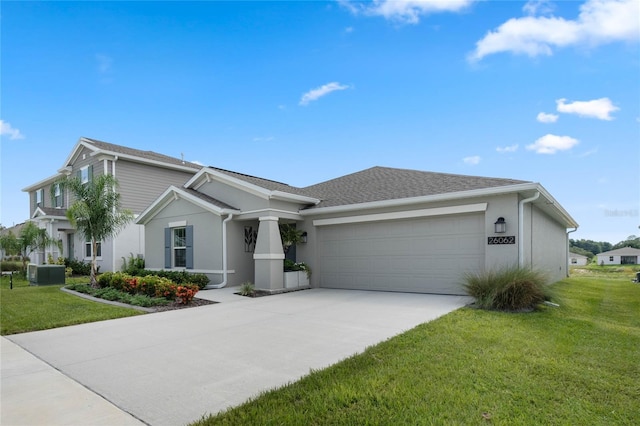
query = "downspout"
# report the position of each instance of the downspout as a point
(521, 227)
(113, 239)
(224, 256)
(567, 262)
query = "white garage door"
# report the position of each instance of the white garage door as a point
(425, 255)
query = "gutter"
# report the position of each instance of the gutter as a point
(224, 256)
(521, 226)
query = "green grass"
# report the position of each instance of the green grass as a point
(577, 364)
(30, 308)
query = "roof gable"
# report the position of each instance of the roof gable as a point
(262, 188)
(173, 193)
(149, 157)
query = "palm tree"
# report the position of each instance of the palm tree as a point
(30, 239)
(96, 212)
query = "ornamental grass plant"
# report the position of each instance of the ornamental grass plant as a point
(512, 288)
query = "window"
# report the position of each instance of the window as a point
(39, 197)
(610, 258)
(88, 253)
(57, 196)
(574, 260)
(84, 174)
(180, 247)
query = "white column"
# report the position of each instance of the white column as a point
(268, 255)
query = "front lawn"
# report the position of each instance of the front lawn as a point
(576, 364)
(31, 308)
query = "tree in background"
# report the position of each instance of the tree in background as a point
(96, 212)
(631, 241)
(594, 247)
(30, 239)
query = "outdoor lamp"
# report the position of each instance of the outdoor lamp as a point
(303, 238)
(500, 226)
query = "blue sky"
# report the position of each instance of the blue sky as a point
(303, 92)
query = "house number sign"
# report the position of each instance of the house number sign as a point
(502, 240)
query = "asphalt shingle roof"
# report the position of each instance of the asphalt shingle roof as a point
(271, 185)
(147, 155)
(625, 251)
(384, 183)
(206, 198)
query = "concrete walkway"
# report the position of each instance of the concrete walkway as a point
(170, 368)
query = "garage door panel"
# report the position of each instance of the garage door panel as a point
(427, 255)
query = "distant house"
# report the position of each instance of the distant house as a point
(142, 177)
(377, 229)
(576, 259)
(622, 256)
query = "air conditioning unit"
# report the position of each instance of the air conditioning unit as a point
(45, 274)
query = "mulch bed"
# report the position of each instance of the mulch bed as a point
(176, 305)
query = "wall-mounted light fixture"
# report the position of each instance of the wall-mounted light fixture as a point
(500, 226)
(303, 238)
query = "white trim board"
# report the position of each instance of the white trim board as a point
(438, 211)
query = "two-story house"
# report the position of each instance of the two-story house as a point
(142, 177)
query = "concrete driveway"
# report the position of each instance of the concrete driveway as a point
(170, 368)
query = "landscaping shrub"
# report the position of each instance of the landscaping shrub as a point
(150, 286)
(78, 267)
(7, 265)
(247, 289)
(132, 266)
(509, 289)
(178, 277)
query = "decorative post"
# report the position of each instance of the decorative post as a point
(268, 255)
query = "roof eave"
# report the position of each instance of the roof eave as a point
(287, 196)
(42, 183)
(399, 202)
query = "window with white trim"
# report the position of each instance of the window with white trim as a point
(57, 196)
(88, 249)
(84, 174)
(39, 197)
(180, 247)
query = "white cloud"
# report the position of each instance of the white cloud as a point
(538, 7)
(597, 108)
(510, 148)
(317, 93)
(599, 22)
(6, 129)
(473, 160)
(405, 11)
(543, 117)
(348, 30)
(550, 144)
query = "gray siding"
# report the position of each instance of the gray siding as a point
(141, 184)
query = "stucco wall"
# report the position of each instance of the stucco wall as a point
(546, 246)
(207, 244)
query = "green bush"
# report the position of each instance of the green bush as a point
(509, 289)
(7, 265)
(178, 277)
(78, 267)
(247, 289)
